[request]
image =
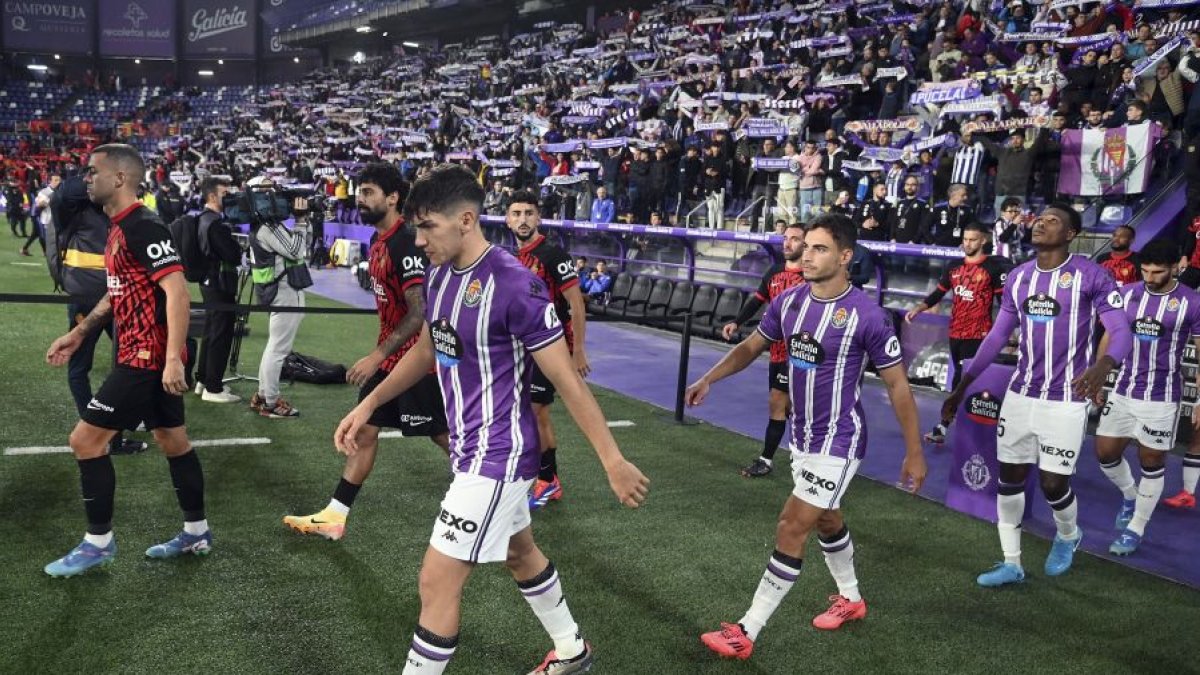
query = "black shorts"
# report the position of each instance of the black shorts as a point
(779, 377)
(130, 396)
(417, 412)
(541, 390)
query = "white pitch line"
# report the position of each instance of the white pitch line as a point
(206, 443)
(26, 264)
(620, 423)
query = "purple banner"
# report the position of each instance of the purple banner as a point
(219, 28)
(725, 235)
(275, 21)
(65, 26)
(137, 28)
(975, 472)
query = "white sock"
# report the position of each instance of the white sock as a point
(1191, 472)
(839, 558)
(1149, 491)
(766, 460)
(338, 507)
(430, 653)
(777, 580)
(1122, 476)
(196, 527)
(1010, 509)
(545, 597)
(1066, 513)
(99, 540)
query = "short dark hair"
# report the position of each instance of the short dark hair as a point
(976, 226)
(1073, 218)
(444, 187)
(1009, 202)
(1162, 251)
(524, 197)
(1125, 226)
(209, 185)
(1137, 104)
(126, 156)
(387, 177)
(840, 227)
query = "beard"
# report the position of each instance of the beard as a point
(1121, 248)
(371, 216)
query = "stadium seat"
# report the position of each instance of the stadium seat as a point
(622, 288)
(727, 309)
(704, 301)
(635, 306)
(681, 302)
(655, 309)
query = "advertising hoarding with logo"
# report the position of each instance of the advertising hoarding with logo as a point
(144, 28)
(219, 29)
(64, 26)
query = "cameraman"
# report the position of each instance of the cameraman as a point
(223, 255)
(76, 237)
(280, 275)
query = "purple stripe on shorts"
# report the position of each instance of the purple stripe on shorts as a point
(431, 655)
(786, 576)
(533, 592)
(487, 520)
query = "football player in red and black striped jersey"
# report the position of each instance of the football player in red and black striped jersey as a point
(1120, 260)
(148, 301)
(976, 282)
(554, 267)
(779, 278)
(397, 269)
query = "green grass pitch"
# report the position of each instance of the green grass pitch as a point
(643, 584)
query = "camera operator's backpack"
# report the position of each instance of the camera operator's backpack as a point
(186, 232)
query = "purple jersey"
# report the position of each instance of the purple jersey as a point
(486, 321)
(1058, 311)
(1162, 324)
(828, 344)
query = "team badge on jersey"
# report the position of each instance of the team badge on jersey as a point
(1173, 305)
(473, 294)
(1042, 308)
(805, 353)
(1147, 329)
(840, 317)
(447, 346)
(1116, 300)
(1065, 279)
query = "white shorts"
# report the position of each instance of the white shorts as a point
(1151, 423)
(1046, 433)
(821, 480)
(479, 515)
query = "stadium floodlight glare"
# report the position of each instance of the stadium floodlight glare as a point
(363, 29)
(137, 61)
(295, 59)
(37, 67)
(411, 45)
(205, 73)
(220, 62)
(57, 57)
(385, 33)
(359, 57)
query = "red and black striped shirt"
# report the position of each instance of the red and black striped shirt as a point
(396, 265)
(139, 253)
(1122, 266)
(777, 280)
(975, 286)
(553, 266)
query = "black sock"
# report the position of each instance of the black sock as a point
(188, 478)
(549, 465)
(98, 483)
(775, 430)
(345, 492)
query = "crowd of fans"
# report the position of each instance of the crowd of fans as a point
(913, 118)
